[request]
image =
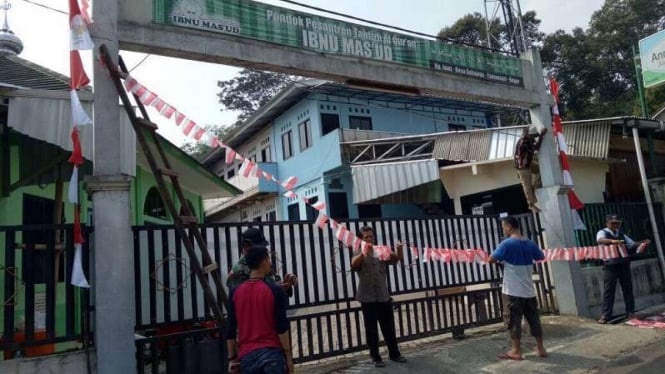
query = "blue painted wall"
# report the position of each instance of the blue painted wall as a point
(312, 165)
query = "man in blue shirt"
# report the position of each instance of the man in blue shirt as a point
(517, 254)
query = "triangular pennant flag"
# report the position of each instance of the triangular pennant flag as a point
(554, 88)
(85, 6)
(79, 35)
(321, 220)
(578, 224)
(642, 248)
(567, 178)
(77, 154)
(561, 140)
(565, 165)
(319, 205)
(575, 202)
(79, 116)
(78, 276)
(230, 155)
(73, 192)
(78, 232)
(289, 183)
(78, 77)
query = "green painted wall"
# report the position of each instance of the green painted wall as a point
(11, 214)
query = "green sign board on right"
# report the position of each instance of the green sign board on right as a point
(652, 54)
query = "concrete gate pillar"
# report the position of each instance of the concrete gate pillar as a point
(113, 280)
(553, 201)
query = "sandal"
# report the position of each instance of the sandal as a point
(603, 321)
(508, 356)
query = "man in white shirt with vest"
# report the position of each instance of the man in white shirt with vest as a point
(616, 269)
(517, 254)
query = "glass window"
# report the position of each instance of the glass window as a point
(287, 149)
(329, 122)
(305, 133)
(360, 123)
(154, 205)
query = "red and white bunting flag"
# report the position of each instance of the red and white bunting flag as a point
(341, 233)
(333, 224)
(212, 141)
(78, 276)
(130, 83)
(642, 248)
(246, 168)
(357, 243)
(79, 35)
(230, 155)
(615, 251)
(290, 194)
(319, 205)
(73, 190)
(168, 111)
(79, 116)
(77, 153)
(189, 126)
(321, 220)
(289, 183)
(78, 77)
(179, 118)
(149, 98)
(567, 178)
(349, 239)
(85, 12)
(198, 133)
(414, 252)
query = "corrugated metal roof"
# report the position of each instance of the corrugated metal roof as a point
(22, 73)
(584, 140)
(373, 181)
(462, 146)
(588, 140)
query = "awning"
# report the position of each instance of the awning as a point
(49, 119)
(373, 181)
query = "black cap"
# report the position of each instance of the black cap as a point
(255, 236)
(612, 218)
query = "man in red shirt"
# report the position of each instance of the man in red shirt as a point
(257, 320)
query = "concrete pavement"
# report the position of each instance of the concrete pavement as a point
(576, 345)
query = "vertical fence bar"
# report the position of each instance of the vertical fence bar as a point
(70, 301)
(28, 278)
(9, 300)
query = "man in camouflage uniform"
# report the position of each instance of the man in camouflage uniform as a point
(240, 271)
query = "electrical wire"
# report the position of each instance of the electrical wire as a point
(46, 7)
(139, 63)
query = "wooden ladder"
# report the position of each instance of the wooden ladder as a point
(161, 169)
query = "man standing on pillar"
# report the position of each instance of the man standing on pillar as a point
(375, 299)
(526, 163)
(617, 269)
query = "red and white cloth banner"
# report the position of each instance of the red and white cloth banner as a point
(79, 116)
(78, 27)
(574, 201)
(642, 247)
(79, 40)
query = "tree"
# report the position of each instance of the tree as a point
(245, 93)
(250, 90)
(200, 150)
(472, 29)
(596, 67)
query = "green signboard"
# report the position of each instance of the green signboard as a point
(291, 28)
(652, 56)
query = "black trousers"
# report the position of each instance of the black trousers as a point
(381, 313)
(612, 274)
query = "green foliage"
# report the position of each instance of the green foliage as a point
(595, 67)
(472, 29)
(250, 90)
(200, 150)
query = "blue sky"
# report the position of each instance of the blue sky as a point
(46, 38)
